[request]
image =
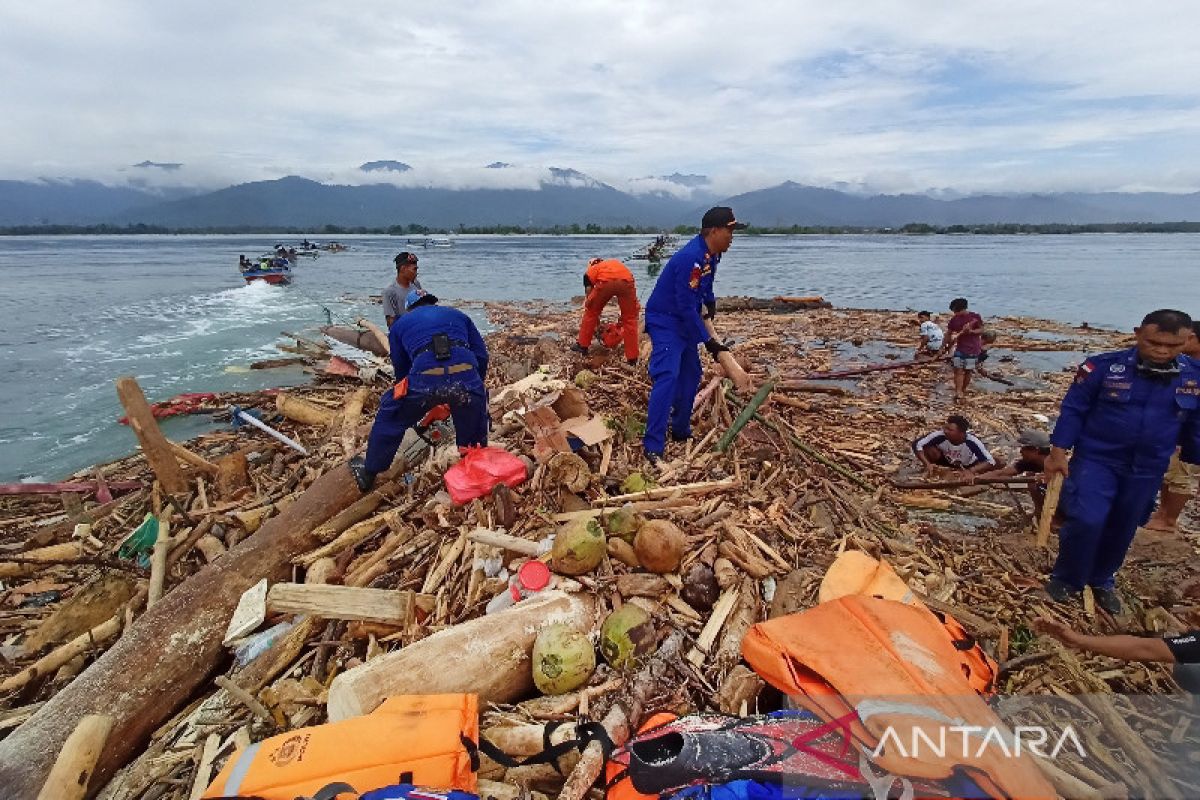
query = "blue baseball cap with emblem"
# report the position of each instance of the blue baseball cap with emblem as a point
(418, 297)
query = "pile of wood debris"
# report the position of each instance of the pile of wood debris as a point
(96, 621)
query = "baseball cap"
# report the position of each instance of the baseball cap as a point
(721, 217)
(1031, 437)
(416, 296)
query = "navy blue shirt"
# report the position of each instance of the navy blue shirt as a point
(413, 333)
(683, 287)
(1115, 415)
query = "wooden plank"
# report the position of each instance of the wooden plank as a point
(157, 450)
(251, 611)
(188, 457)
(342, 602)
(1048, 508)
(72, 771)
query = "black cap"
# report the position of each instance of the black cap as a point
(721, 217)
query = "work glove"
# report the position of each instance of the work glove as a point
(715, 348)
(710, 310)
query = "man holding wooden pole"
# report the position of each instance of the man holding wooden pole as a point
(1122, 417)
(679, 317)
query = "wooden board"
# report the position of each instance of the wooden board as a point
(342, 602)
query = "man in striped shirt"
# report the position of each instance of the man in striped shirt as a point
(955, 447)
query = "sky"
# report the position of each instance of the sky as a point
(870, 96)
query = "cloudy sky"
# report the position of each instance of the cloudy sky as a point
(881, 96)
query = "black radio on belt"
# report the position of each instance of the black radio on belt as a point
(440, 344)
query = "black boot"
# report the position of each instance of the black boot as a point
(362, 477)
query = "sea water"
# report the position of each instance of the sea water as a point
(76, 312)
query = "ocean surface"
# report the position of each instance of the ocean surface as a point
(76, 312)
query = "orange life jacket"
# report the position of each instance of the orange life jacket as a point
(429, 740)
(608, 270)
(883, 669)
(856, 572)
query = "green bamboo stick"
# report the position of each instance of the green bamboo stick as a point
(747, 414)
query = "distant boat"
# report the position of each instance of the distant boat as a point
(431, 242)
(275, 271)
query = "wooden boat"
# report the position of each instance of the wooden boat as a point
(275, 271)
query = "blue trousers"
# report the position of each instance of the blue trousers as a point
(675, 378)
(1104, 507)
(468, 409)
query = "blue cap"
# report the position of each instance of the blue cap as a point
(416, 296)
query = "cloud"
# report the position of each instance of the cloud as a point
(872, 94)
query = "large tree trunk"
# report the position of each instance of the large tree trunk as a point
(162, 658)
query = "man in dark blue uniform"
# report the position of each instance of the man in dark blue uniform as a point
(1123, 418)
(675, 320)
(440, 358)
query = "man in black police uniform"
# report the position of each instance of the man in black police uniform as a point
(1123, 418)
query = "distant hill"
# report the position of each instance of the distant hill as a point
(569, 198)
(69, 202)
(564, 198)
(794, 204)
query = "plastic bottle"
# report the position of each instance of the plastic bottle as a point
(531, 578)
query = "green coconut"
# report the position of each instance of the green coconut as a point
(623, 523)
(636, 482)
(563, 659)
(627, 636)
(578, 547)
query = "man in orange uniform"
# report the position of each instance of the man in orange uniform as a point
(604, 280)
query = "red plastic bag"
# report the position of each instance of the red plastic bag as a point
(480, 470)
(611, 334)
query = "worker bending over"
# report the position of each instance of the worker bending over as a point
(604, 280)
(439, 358)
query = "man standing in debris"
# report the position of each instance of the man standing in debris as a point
(1182, 481)
(964, 343)
(397, 291)
(604, 280)
(1122, 417)
(676, 315)
(440, 358)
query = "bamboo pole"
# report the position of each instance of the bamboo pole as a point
(1053, 491)
(744, 417)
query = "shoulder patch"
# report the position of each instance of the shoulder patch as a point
(1085, 369)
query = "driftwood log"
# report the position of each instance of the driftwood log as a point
(363, 340)
(488, 655)
(163, 657)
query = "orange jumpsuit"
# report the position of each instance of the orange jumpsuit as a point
(611, 278)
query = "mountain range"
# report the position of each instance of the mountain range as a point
(564, 198)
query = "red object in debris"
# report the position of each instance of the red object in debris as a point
(610, 334)
(188, 403)
(71, 487)
(480, 470)
(340, 366)
(534, 575)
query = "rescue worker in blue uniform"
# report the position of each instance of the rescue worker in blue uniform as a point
(439, 358)
(1122, 419)
(675, 320)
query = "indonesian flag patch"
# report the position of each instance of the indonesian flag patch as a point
(1085, 369)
